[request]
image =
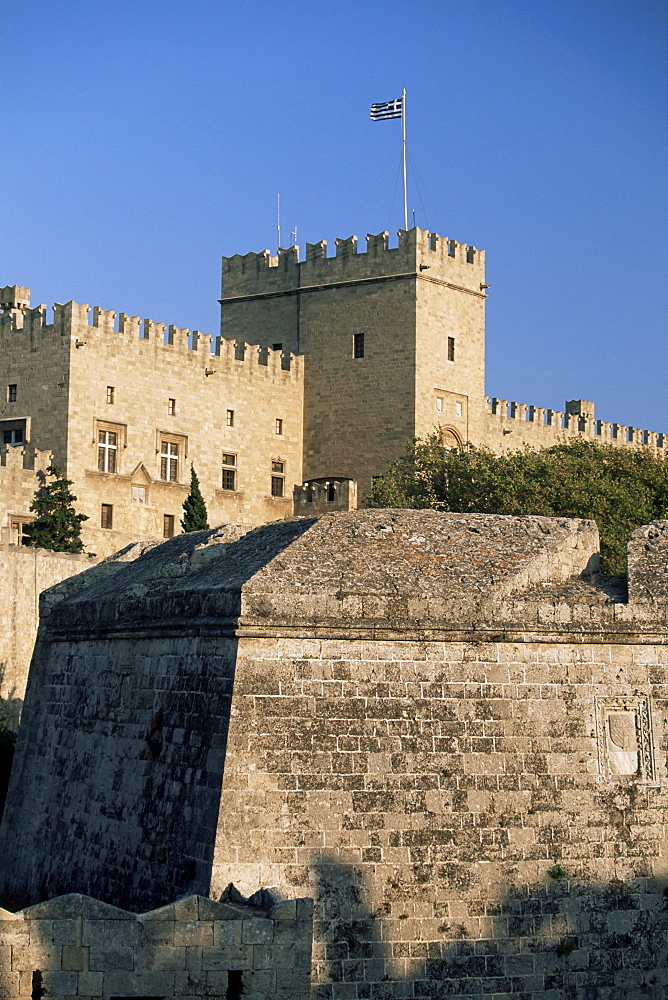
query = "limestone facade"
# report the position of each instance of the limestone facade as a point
(324, 369)
(451, 732)
(124, 410)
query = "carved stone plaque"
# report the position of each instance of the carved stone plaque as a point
(625, 737)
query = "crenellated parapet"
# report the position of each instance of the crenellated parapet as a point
(90, 330)
(517, 424)
(419, 253)
(16, 460)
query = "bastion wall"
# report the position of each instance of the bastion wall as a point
(447, 729)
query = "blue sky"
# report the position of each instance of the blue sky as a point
(142, 140)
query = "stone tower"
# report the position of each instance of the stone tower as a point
(392, 340)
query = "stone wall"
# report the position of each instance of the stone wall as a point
(448, 729)
(75, 946)
(24, 574)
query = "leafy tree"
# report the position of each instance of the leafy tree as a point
(57, 525)
(195, 517)
(619, 488)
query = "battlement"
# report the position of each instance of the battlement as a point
(17, 459)
(546, 426)
(88, 328)
(418, 251)
(14, 297)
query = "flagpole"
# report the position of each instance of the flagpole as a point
(403, 122)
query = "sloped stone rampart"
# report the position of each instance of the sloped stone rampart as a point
(75, 946)
(463, 762)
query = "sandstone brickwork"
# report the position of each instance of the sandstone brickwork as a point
(75, 946)
(147, 386)
(448, 729)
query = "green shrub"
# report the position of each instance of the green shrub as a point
(619, 488)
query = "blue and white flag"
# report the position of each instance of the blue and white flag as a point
(388, 109)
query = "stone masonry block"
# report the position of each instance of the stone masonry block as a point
(66, 932)
(9, 985)
(257, 931)
(103, 959)
(59, 983)
(90, 984)
(193, 933)
(227, 934)
(216, 984)
(233, 957)
(74, 958)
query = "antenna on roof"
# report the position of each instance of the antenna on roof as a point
(279, 221)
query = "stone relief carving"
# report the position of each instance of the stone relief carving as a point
(625, 737)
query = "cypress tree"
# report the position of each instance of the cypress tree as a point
(57, 525)
(195, 517)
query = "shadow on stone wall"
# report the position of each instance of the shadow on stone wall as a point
(560, 940)
(116, 784)
(10, 707)
(10, 713)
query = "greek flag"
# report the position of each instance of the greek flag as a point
(388, 109)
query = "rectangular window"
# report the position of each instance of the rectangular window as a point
(139, 494)
(229, 472)
(279, 426)
(439, 404)
(358, 345)
(451, 348)
(20, 533)
(110, 393)
(107, 515)
(277, 481)
(277, 347)
(106, 451)
(12, 391)
(168, 526)
(331, 492)
(169, 463)
(458, 409)
(230, 418)
(13, 436)
(171, 407)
